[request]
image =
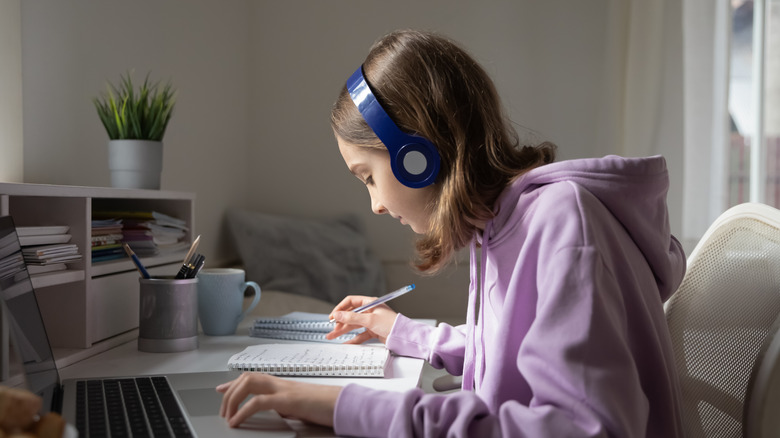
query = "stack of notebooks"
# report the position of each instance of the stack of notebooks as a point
(47, 248)
(298, 326)
(106, 240)
(148, 233)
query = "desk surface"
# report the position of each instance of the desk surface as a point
(402, 374)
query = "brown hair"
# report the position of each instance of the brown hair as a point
(431, 87)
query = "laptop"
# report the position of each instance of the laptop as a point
(160, 405)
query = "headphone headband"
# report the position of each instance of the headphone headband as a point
(414, 160)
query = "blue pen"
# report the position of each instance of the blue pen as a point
(382, 299)
(137, 262)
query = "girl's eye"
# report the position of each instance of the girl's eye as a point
(369, 180)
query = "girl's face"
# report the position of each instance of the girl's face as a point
(388, 196)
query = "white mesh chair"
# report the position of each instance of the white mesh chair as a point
(723, 320)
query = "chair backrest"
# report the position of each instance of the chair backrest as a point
(722, 321)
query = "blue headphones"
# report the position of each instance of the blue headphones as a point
(414, 160)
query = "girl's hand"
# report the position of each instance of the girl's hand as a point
(377, 321)
(303, 401)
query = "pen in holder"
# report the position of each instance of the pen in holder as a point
(191, 269)
(190, 263)
(136, 261)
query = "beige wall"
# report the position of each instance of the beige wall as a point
(256, 80)
(70, 51)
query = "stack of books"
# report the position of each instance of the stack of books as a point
(106, 240)
(47, 248)
(149, 233)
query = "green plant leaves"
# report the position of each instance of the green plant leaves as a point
(141, 114)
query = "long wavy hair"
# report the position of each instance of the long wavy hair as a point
(431, 87)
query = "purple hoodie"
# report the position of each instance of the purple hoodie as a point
(569, 337)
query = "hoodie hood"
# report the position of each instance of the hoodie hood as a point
(633, 190)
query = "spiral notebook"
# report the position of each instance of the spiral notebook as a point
(298, 326)
(313, 360)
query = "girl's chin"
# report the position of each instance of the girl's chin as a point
(415, 230)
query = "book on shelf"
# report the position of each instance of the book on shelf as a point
(43, 235)
(298, 326)
(25, 231)
(44, 239)
(141, 216)
(46, 254)
(98, 248)
(148, 233)
(107, 250)
(107, 257)
(106, 239)
(45, 250)
(106, 227)
(307, 359)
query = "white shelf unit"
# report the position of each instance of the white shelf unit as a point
(90, 303)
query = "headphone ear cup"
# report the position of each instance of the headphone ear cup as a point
(414, 160)
(416, 164)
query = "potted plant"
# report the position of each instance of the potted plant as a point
(135, 121)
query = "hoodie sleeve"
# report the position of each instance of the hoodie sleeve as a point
(578, 364)
(442, 346)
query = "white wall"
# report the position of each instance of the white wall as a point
(71, 49)
(11, 133)
(256, 80)
(547, 58)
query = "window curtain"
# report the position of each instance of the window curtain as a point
(646, 57)
(705, 36)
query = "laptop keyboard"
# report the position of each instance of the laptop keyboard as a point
(132, 407)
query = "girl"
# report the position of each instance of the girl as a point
(570, 265)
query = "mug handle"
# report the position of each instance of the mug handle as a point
(256, 287)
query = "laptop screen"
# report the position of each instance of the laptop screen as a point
(25, 324)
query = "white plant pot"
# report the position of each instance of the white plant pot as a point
(135, 164)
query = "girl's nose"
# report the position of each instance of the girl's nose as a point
(377, 207)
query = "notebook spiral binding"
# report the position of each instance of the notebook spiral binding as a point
(297, 370)
(295, 335)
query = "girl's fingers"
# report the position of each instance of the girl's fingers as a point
(240, 389)
(305, 401)
(351, 302)
(348, 321)
(223, 386)
(259, 402)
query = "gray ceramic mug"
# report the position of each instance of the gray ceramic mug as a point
(221, 300)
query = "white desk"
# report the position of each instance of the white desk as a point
(402, 374)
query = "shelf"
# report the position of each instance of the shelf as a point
(56, 278)
(89, 303)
